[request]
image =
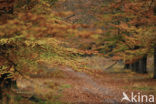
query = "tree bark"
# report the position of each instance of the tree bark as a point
(132, 66)
(136, 66)
(127, 66)
(6, 84)
(143, 65)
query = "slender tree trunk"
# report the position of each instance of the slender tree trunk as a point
(143, 65)
(132, 67)
(6, 84)
(127, 66)
(154, 63)
(136, 66)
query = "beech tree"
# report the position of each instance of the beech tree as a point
(27, 39)
(131, 26)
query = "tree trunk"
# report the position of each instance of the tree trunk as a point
(127, 66)
(132, 67)
(154, 63)
(143, 65)
(6, 84)
(136, 66)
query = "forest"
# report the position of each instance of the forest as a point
(77, 51)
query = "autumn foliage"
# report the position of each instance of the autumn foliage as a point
(31, 34)
(130, 32)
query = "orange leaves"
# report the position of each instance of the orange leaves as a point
(40, 25)
(99, 31)
(87, 52)
(123, 26)
(117, 57)
(85, 34)
(6, 3)
(30, 33)
(90, 34)
(135, 29)
(131, 41)
(64, 14)
(130, 56)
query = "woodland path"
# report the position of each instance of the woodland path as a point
(79, 87)
(87, 90)
(83, 88)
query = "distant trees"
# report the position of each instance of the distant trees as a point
(131, 32)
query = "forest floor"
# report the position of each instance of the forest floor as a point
(102, 87)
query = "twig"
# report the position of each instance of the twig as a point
(111, 66)
(70, 16)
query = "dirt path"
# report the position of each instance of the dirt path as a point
(72, 87)
(86, 90)
(83, 88)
